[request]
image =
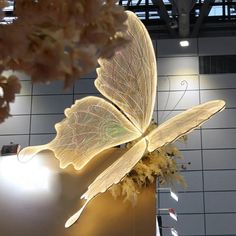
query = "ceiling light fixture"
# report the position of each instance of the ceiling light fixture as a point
(184, 43)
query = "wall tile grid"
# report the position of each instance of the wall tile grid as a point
(207, 206)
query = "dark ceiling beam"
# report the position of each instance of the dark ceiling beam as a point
(183, 12)
(164, 15)
(205, 10)
(128, 3)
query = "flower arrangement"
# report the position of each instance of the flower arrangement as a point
(161, 163)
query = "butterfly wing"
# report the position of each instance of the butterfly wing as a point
(129, 78)
(92, 125)
(112, 175)
(183, 123)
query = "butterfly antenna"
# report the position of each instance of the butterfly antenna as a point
(183, 82)
(76, 216)
(167, 100)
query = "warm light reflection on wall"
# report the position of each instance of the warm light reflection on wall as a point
(32, 176)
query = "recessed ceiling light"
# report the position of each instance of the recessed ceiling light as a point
(184, 43)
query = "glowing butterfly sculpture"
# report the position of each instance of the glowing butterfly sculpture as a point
(93, 124)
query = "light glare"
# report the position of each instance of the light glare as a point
(184, 43)
(157, 228)
(31, 176)
(172, 214)
(174, 232)
(174, 195)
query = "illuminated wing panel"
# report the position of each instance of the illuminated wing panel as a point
(183, 123)
(129, 78)
(112, 175)
(117, 171)
(91, 126)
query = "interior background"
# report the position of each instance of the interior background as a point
(208, 206)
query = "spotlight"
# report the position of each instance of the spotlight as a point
(159, 228)
(174, 232)
(171, 212)
(173, 193)
(184, 43)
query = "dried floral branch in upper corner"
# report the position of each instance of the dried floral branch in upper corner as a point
(8, 88)
(61, 40)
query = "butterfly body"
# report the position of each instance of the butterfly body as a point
(128, 80)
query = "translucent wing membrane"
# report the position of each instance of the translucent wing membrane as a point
(112, 175)
(183, 123)
(129, 78)
(91, 126)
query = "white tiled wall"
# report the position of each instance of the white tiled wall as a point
(207, 206)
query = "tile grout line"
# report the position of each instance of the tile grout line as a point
(201, 146)
(30, 117)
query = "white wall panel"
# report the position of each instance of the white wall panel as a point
(23, 140)
(39, 139)
(188, 202)
(220, 180)
(45, 123)
(218, 81)
(219, 159)
(220, 224)
(21, 106)
(170, 83)
(55, 87)
(224, 119)
(227, 95)
(186, 224)
(15, 125)
(191, 98)
(26, 88)
(154, 116)
(177, 66)
(220, 202)
(221, 138)
(166, 115)
(217, 46)
(194, 181)
(51, 104)
(193, 141)
(84, 86)
(194, 157)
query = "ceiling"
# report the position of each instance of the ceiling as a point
(179, 18)
(185, 18)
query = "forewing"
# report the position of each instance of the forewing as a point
(183, 123)
(91, 126)
(129, 78)
(117, 171)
